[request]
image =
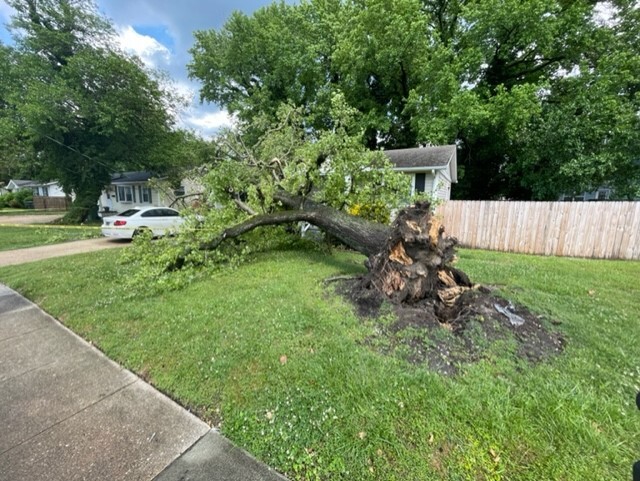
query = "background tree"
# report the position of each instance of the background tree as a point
(505, 80)
(17, 159)
(85, 108)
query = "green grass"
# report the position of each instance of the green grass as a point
(337, 410)
(29, 236)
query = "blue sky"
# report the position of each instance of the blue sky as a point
(160, 32)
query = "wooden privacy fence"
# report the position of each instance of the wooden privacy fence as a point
(51, 203)
(605, 230)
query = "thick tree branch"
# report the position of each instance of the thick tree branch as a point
(359, 234)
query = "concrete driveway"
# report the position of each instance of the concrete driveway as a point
(31, 254)
(28, 219)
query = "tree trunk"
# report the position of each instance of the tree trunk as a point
(85, 205)
(359, 234)
(408, 262)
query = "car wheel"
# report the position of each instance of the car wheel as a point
(140, 231)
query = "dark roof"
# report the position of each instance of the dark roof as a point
(438, 156)
(123, 177)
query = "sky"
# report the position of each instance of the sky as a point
(160, 32)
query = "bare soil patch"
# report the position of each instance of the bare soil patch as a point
(479, 326)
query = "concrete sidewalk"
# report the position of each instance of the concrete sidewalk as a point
(69, 413)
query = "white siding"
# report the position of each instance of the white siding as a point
(112, 200)
(55, 190)
(442, 187)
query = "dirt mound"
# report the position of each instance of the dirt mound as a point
(478, 326)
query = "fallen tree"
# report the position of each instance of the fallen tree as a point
(292, 175)
(409, 262)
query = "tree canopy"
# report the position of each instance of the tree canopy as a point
(540, 95)
(79, 107)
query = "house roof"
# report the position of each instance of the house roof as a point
(422, 159)
(431, 157)
(22, 183)
(126, 177)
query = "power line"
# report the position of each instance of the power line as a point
(77, 151)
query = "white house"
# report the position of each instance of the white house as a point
(603, 193)
(432, 169)
(134, 189)
(43, 189)
(129, 189)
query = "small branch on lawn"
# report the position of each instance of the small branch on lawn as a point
(329, 280)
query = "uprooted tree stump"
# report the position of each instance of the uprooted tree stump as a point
(414, 272)
(415, 264)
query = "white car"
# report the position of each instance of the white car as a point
(127, 224)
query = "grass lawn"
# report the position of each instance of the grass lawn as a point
(266, 352)
(29, 236)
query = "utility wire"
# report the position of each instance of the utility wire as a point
(77, 151)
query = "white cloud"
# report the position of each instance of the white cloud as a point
(211, 121)
(208, 123)
(605, 13)
(150, 51)
(185, 90)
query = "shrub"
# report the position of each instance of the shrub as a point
(17, 199)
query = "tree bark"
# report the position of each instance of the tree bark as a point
(359, 234)
(85, 205)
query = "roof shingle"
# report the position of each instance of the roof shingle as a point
(438, 156)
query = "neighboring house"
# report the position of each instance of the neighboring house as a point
(129, 189)
(603, 193)
(133, 189)
(432, 169)
(43, 189)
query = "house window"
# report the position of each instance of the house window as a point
(420, 182)
(145, 195)
(125, 193)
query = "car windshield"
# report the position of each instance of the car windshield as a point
(128, 213)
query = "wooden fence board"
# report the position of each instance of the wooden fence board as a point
(607, 230)
(51, 203)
